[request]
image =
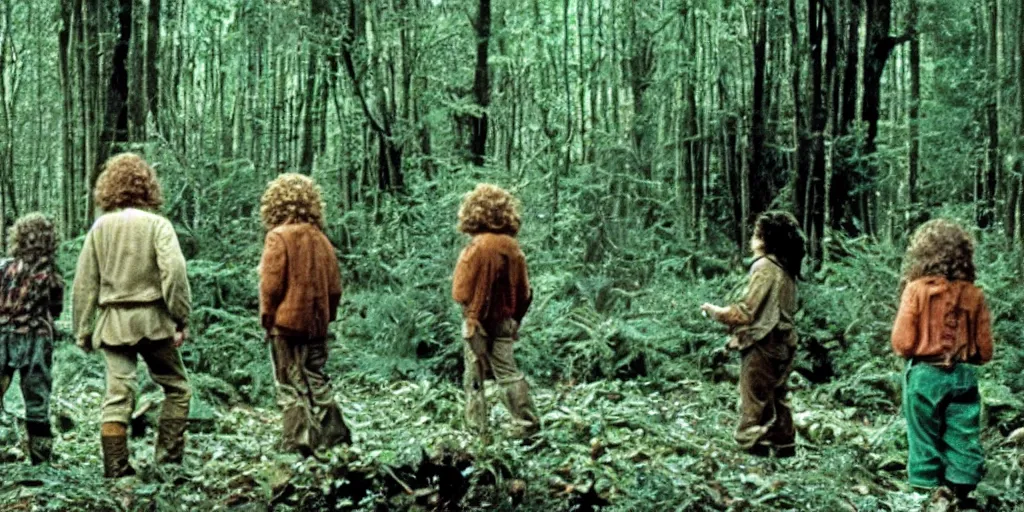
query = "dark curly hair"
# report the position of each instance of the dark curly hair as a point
(783, 239)
(939, 247)
(127, 181)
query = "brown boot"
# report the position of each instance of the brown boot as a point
(40, 442)
(114, 440)
(170, 442)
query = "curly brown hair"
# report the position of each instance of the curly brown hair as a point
(489, 209)
(942, 248)
(127, 181)
(292, 199)
(783, 239)
(32, 238)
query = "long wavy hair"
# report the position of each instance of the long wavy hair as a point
(782, 238)
(127, 181)
(489, 209)
(33, 239)
(292, 199)
(940, 248)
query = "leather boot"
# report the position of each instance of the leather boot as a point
(114, 440)
(40, 442)
(170, 442)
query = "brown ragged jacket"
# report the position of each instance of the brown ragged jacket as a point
(300, 284)
(491, 281)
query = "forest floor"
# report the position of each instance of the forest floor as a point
(624, 445)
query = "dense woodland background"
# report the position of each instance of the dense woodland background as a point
(642, 137)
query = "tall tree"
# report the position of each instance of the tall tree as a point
(115, 119)
(761, 190)
(914, 110)
(986, 213)
(481, 84)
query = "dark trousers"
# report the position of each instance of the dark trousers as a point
(765, 417)
(311, 416)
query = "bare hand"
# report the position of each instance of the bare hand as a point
(710, 309)
(180, 337)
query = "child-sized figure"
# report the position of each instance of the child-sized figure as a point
(132, 298)
(943, 328)
(763, 331)
(491, 284)
(31, 298)
(300, 290)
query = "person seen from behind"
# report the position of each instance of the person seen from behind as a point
(763, 331)
(492, 286)
(300, 290)
(944, 330)
(31, 299)
(131, 299)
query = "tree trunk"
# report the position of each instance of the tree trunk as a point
(481, 85)
(115, 120)
(992, 168)
(68, 193)
(760, 179)
(152, 59)
(914, 112)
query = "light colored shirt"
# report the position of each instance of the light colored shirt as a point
(132, 273)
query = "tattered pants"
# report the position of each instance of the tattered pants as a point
(165, 368)
(765, 417)
(311, 416)
(32, 356)
(497, 360)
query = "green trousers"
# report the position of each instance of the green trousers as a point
(32, 356)
(943, 410)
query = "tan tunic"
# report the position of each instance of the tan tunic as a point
(131, 270)
(769, 304)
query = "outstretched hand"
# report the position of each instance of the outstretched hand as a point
(711, 310)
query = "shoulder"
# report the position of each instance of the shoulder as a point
(764, 267)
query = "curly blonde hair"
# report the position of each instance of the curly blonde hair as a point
(292, 199)
(939, 248)
(127, 181)
(32, 238)
(489, 209)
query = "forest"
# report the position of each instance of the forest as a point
(642, 138)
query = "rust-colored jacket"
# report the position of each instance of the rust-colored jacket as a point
(300, 284)
(939, 319)
(491, 281)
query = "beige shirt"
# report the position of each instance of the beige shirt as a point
(769, 304)
(132, 271)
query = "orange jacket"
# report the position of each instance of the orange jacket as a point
(942, 319)
(491, 282)
(300, 284)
